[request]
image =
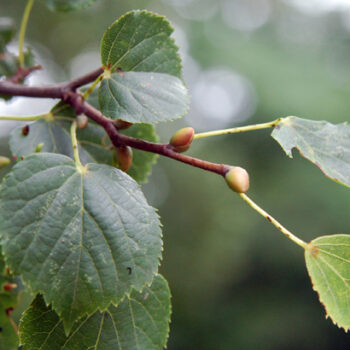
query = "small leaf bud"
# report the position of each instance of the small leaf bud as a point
(25, 130)
(182, 139)
(39, 147)
(121, 124)
(4, 161)
(9, 286)
(123, 157)
(238, 179)
(82, 121)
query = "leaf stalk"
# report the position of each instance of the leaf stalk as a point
(273, 221)
(22, 32)
(238, 129)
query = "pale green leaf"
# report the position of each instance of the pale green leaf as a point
(75, 237)
(53, 134)
(140, 322)
(324, 144)
(328, 263)
(140, 41)
(140, 97)
(68, 5)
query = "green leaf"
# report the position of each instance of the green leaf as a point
(8, 335)
(68, 5)
(53, 133)
(8, 301)
(140, 41)
(139, 97)
(328, 263)
(324, 144)
(142, 161)
(75, 237)
(140, 322)
(7, 32)
(143, 69)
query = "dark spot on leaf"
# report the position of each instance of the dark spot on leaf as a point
(120, 71)
(129, 270)
(25, 130)
(314, 250)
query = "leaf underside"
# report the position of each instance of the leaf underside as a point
(54, 135)
(93, 143)
(139, 97)
(328, 264)
(139, 322)
(75, 237)
(324, 144)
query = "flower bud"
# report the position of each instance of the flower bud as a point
(182, 139)
(82, 121)
(121, 124)
(4, 161)
(123, 157)
(238, 179)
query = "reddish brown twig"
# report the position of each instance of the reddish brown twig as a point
(67, 93)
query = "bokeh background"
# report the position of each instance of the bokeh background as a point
(236, 282)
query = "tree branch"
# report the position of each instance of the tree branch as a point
(67, 92)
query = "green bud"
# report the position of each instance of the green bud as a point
(238, 179)
(182, 139)
(39, 147)
(121, 124)
(123, 157)
(82, 121)
(4, 161)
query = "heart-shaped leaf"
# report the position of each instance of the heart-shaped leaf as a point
(328, 263)
(139, 322)
(324, 144)
(82, 239)
(143, 69)
(68, 5)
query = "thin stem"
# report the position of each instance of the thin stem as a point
(273, 221)
(24, 119)
(22, 32)
(73, 135)
(87, 93)
(238, 129)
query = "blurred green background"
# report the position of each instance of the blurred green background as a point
(236, 282)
